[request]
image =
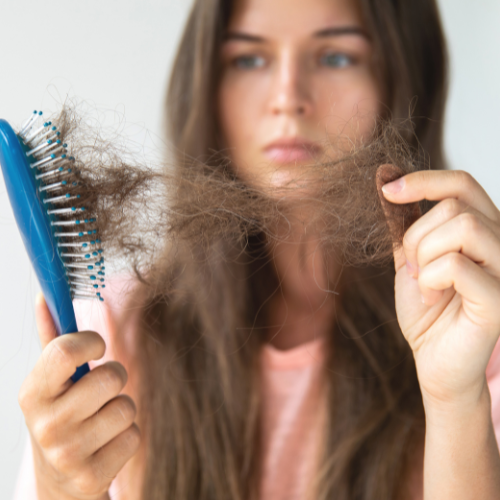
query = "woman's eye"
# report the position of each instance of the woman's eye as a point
(336, 60)
(249, 62)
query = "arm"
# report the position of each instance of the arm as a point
(462, 460)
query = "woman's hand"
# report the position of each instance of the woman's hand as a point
(448, 284)
(82, 433)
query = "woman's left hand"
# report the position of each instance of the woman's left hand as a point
(448, 283)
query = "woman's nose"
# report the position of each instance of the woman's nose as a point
(290, 92)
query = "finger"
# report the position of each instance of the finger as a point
(399, 217)
(441, 184)
(461, 235)
(44, 322)
(109, 460)
(479, 290)
(439, 215)
(98, 387)
(111, 420)
(60, 359)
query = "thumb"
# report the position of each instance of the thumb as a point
(44, 322)
(399, 217)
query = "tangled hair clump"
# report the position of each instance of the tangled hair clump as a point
(140, 207)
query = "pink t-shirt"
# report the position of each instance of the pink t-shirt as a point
(292, 411)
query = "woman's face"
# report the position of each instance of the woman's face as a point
(297, 76)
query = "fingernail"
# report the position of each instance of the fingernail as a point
(422, 299)
(394, 187)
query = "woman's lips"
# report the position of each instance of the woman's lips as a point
(291, 150)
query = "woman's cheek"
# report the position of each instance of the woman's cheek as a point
(351, 107)
(229, 112)
(240, 111)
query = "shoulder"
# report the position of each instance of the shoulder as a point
(493, 378)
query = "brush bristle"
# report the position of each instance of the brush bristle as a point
(74, 223)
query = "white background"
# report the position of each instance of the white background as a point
(117, 55)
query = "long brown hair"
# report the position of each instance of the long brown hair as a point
(198, 355)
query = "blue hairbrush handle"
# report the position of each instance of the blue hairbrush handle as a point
(34, 225)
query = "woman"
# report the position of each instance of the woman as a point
(252, 379)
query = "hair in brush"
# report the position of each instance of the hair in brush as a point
(72, 218)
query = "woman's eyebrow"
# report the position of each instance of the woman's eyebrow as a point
(341, 30)
(244, 37)
(323, 33)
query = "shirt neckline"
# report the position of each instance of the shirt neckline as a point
(307, 354)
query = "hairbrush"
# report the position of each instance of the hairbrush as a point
(59, 233)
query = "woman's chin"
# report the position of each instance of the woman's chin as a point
(281, 178)
(292, 180)
(290, 183)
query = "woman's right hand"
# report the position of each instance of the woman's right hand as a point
(82, 433)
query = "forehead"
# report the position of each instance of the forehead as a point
(286, 18)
